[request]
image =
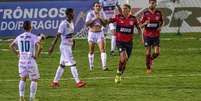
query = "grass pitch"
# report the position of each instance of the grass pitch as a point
(176, 75)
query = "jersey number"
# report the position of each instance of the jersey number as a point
(25, 46)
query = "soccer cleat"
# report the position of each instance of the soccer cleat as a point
(91, 68)
(118, 78)
(32, 99)
(55, 84)
(21, 98)
(112, 53)
(80, 84)
(149, 71)
(105, 69)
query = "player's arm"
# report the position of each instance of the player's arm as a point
(119, 8)
(161, 23)
(140, 32)
(38, 50)
(13, 48)
(51, 49)
(89, 20)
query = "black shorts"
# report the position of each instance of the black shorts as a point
(148, 41)
(125, 46)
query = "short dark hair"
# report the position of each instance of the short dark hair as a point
(96, 3)
(127, 5)
(27, 25)
(69, 10)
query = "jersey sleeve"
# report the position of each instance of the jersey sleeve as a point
(88, 17)
(61, 28)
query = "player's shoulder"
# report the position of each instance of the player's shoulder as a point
(146, 12)
(158, 11)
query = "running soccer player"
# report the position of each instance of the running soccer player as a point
(125, 23)
(65, 31)
(152, 22)
(29, 49)
(109, 7)
(96, 20)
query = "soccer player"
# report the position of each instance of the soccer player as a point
(29, 47)
(125, 23)
(109, 7)
(65, 31)
(96, 20)
(152, 22)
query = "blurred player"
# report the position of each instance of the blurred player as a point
(95, 20)
(152, 22)
(65, 31)
(29, 50)
(109, 7)
(125, 23)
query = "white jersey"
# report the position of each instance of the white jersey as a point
(109, 7)
(66, 29)
(91, 16)
(26, 43)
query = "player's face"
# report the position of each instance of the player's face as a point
(70, 15)
(152, 4)
(97, 7)
(125, 10)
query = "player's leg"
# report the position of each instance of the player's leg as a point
(156, 45)
(113, 38)
(23, 75)
(101, 45)
(71, 62)
(22, 83)
(91, 42)
(60, 69)
(147, 44)
(148, 57)
(34, 76)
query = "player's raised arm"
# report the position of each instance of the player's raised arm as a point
(51, 49)
(13, 47)
(119, 8)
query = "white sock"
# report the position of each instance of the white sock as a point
(33, 89)
(75, 74)
(21, 87)
(103, 59)
(113, 43)
(59, 73)
(91, 60)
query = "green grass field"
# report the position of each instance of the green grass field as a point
(176, 75)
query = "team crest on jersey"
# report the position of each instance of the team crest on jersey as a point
(157, 18)
(131, 22)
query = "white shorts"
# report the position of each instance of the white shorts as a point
(66, 58)
(95, 37)
(29, 67)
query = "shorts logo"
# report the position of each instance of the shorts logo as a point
(145, 43)
(120, 49)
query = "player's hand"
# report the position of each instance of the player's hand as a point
(159, 29)
(142, 41)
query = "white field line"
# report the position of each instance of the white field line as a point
(126, 77)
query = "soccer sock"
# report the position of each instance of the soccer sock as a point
(113, 43)
(59, 73)
(103, 59)
(33, 89)
(75, 74)
(21, 87)
(155, 55)
(148, 61)
(91, 60)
